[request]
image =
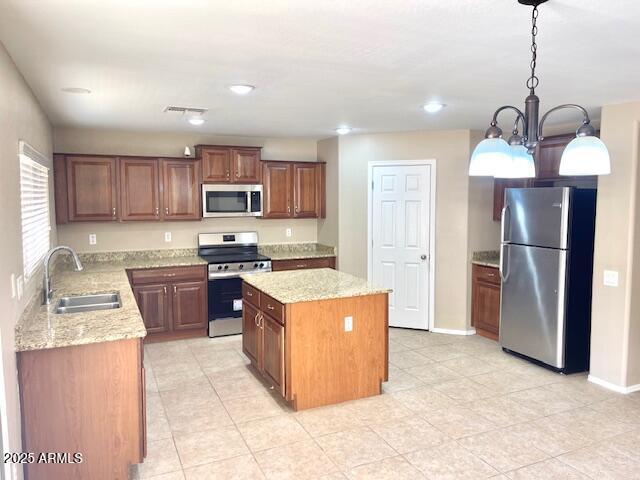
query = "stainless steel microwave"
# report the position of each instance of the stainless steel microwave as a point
(231, 200)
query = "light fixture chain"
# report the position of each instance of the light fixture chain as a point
(532, 81)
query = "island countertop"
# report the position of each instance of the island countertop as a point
(293, 286)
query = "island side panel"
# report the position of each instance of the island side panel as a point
(326, 364)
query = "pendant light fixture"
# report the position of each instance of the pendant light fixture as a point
(585, 155)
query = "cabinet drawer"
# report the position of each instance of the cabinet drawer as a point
(486, 274)
(272, 307)
(166, 275)
(303, 263)
(251, 294)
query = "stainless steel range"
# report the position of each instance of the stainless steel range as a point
(229, 255)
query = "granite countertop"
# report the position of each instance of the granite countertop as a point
(293, 286)
(294, 251)
(490, 258)
(39, 328)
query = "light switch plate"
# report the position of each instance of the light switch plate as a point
(167, 236)
(611, 278)
(289, 232)
(348, 324)
(93, 239)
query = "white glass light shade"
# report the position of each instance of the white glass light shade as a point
(488, 155)
(520, 165)
(585, 156)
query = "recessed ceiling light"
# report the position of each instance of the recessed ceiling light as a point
(196, 121)
(76, 90)
(241, 89)
(433, 107)
(343, 130)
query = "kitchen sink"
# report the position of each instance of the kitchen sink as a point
(88, 303)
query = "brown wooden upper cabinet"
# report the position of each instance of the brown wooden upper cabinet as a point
(140, 188)
(92, 188)
(107, 188)
(181, 189)
(293, 190)
(224, 164)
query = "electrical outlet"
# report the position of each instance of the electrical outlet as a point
(20, 287)
(13, 285)
(611, 278)
(289, 232)
(93, 239)
(167, 236)
(348, 324)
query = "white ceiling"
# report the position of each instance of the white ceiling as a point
(316, 63)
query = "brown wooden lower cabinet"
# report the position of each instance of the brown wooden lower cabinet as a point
(172, 301)
(87, 399)
(485, 303)
(303, 263)
(304, 353)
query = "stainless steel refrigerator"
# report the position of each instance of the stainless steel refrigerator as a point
(546, 267)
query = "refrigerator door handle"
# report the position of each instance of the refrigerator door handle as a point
(504, 272)
(503, 222)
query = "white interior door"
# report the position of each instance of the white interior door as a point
(400, 229)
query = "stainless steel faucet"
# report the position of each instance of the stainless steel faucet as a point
(48, 292)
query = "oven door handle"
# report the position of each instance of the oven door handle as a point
(223, 275)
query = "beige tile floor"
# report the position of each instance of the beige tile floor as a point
(454, 407)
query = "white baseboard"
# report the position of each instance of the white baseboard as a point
(454, 332)
(613, 386)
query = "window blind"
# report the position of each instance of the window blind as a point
(34, 206)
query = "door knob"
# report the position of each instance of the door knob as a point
(423, 257)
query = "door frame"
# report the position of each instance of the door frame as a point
(432, 224)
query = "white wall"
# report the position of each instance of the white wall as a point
(451, 150)
(150, 235)
(328, 227)
(21, 118)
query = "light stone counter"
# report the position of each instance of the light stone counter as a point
(295, 251)
(489, 258)
(293, 286)
(39, 328)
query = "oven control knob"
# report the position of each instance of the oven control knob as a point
(255, 265)
(261, 265)
(226, 267)
(241, 266)
(219, 267)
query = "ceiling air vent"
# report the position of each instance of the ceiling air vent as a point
(185, 110)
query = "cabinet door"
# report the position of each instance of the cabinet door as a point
(189, 305)
(246, 165)
(153, 302)
(277, 189)
(91, 183)
(139, 189)
(181, 192)
(216, 165)
(306, 192)
(485, 309)
(273, 354)
(251, 334)
(548, 155)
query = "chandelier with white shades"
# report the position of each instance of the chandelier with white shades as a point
(513, 158)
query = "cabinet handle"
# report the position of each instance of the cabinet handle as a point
(270, 307)
(249, 294)
(237, 174)
(296, 208)
(175, 290)
(261, 321)
(169, 275)
(227, 174)
(113, 211)
(255, 319)
(166, 210)
(165, 290)
(301, 265)
(157, 211)
(288, 209)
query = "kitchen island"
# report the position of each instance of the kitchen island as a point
(317, 336)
